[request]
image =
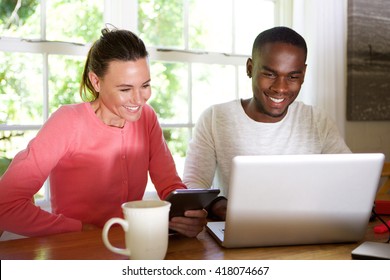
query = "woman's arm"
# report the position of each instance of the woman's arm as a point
(24, 178)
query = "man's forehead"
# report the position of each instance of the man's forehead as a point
(273, 48)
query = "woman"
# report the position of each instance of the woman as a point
(97, 153)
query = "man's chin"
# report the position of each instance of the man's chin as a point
(277, 115)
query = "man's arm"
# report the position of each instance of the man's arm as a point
(200, 164)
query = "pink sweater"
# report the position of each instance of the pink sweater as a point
(93, 169)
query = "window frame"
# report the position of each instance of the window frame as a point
(123, 14)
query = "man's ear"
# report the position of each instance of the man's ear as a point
(249, 67)
(95, 81)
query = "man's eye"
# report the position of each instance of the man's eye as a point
(267, 74)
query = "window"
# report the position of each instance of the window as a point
(198, 50)
(43, 48)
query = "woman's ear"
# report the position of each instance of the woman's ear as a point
(95, 81)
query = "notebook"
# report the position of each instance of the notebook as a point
(299, 199)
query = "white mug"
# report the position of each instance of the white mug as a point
(146, 229)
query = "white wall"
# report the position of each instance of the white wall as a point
(323, 23)
(365, 137)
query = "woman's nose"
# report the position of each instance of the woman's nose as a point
(137, 97)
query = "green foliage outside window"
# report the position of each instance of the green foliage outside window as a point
(21, 73)
(160, 23)
(156, 19)
(13, 17)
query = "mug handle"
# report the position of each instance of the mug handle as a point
(107, 242)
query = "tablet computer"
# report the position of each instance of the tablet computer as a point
(190, 199)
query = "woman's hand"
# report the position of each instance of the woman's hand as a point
(191, 224)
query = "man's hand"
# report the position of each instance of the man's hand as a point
(218, 209)
(191, 224)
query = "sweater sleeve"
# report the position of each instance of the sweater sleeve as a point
(201, 161)
(162, 167)
(332, 142)
(26, 175)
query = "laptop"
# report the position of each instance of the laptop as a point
(277, 200)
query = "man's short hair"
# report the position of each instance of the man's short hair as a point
(280, 34)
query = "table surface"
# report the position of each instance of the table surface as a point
(88, 245)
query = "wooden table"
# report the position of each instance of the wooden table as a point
(89, 246)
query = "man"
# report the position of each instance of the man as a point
(268, 123)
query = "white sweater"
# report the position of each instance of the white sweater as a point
(224, 131)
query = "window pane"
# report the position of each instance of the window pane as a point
(77, 21)
(211, 84)
(20, 88)
(245, 84)
(251, 17)
(210, 24)
(177, 140)
(12, 142)
(169, 92)
(20, 20)
(40, 195)
(160, 23)
(64, 80)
